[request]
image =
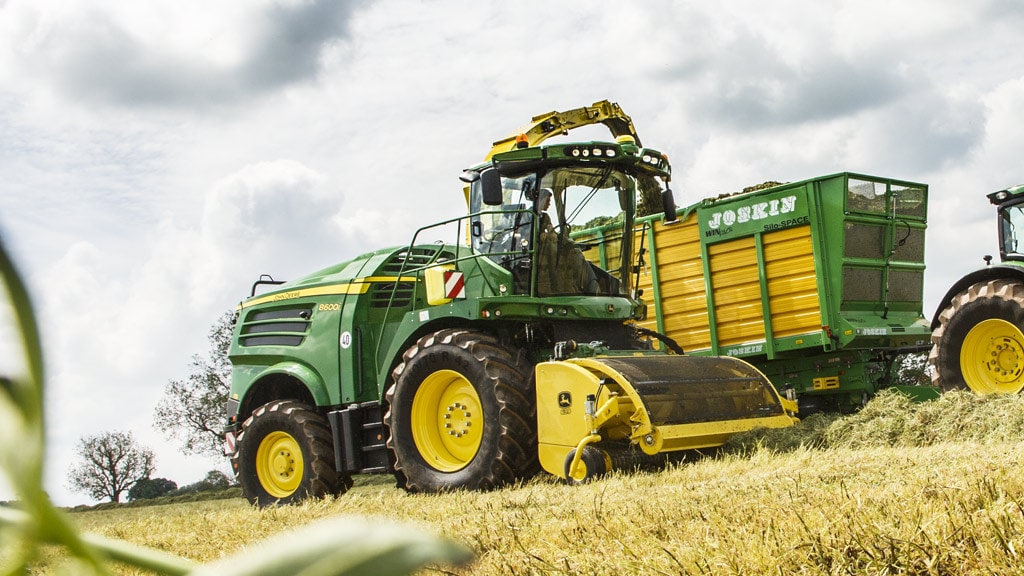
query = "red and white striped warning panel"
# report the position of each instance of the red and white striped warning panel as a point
(454, 284)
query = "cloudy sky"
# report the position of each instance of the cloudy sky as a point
(157, 157)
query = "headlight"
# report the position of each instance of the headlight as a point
(595, 150)
(652, 159)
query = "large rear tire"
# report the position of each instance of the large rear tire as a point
(979, 343)
(461, 414)
(285, 454)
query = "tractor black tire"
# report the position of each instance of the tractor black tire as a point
(462, 414)
(979, 343)
(286, 454)
(595, 463)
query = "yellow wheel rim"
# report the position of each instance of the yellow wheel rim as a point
(279, 464)
(579, 473)
(992, 358)
(447, 421)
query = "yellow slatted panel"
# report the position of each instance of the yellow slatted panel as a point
(684, 307)
(790, 276)
(612, 246)
(594, 254)
(612, 252)
(736, 253)
(736, 287)
(792, 282)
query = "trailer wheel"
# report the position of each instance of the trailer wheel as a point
(461, 414)
(979, 343)
(285, 454)
(594, 463)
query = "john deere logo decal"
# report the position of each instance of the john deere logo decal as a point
(564, 403)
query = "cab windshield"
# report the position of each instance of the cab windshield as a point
(560, 232)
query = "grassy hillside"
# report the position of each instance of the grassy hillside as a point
(935, 488)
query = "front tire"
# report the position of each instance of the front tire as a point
(594, 463)
(285, 454)
(461, 414)
(979, 343)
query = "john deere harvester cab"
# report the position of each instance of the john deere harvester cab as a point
(977, 339)
(528, 206)
(473, 361)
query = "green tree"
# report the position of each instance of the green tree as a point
(111, 463)
(217, 480)
(214, 480)
(192, 409)
(148, 488)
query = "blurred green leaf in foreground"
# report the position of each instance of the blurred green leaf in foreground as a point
(331, 547)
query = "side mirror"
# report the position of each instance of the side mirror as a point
(668, 204)
(490, 181)
(627, 193)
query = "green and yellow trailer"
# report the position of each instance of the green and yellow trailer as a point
(818, 283)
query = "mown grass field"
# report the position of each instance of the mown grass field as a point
(936, 488)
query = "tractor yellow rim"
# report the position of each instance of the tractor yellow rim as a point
(447, 421)
(279, 464)
(578, 473)
(992, 358)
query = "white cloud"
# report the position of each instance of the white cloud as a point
(174, 54)
(1004, 139)
(269, 212)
